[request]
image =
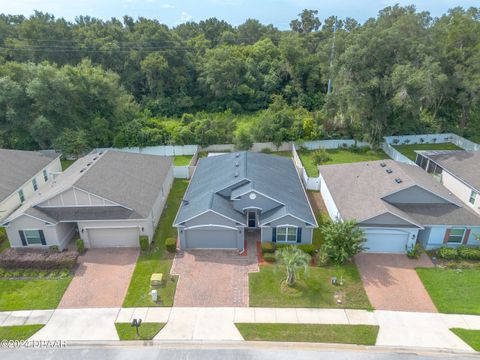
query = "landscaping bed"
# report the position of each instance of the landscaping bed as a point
(313, 288)
(471, 337)
(409, 149)
(339, 156)
(453, 291)
(37, 259)
(21, 332)
(147, 331)
(325, 333)
(157, 259)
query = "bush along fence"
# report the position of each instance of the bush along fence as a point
(391, 141)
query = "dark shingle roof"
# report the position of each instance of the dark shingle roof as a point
(18, 167)
(273, 176)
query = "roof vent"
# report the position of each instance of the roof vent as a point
(236, 174)
(95, 158)
(100, 153)
(89, 164)
(382, 164)
(237, 155)
(398, 180)
(185, 202)
(237, 164)
(389, 171)
(82, 170)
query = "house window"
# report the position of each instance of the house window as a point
(21, 195)
(456, 236)
(45, 175)
(473, 197)
(32, 237)
(286, 234)
(35, 185)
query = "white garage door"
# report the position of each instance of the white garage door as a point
(386, 241)
(113, 237)
(211, 239)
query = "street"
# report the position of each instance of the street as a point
(223, 352)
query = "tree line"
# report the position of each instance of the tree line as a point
(95, 83)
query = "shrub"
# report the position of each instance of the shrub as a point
(171, 244)
(54, 248)
(269, 257)
(468, 253)
(322, 258)
(80, 244)
(308, 248)
(144, 243)
(321, 156)
(447, 253)
(37, 259)
(414, 251)
(268, 248)
(342, 240)
(266, 150)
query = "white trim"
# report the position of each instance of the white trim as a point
(296, 217)
(79, 206)
(101, 197)
(256, 218)
(210, 225)
(287, 226)
(110, 227)
(205, 212)
(398, 216)
(260, 193)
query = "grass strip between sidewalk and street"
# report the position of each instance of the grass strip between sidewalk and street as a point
(147, 331)
(20, 332)
(319, 333)
(471, 337)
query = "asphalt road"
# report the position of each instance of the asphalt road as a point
(157, 353)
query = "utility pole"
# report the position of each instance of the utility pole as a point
(332, 52)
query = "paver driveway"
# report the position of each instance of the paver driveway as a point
(102, 278)
(392, 283)
(213, 277)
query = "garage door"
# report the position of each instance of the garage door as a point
(113, 237)
(211, 239)
(386, 241)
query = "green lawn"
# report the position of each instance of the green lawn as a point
(21, 332)
(339, 156)
(344, 334)
(313, 289)
(409, 150)
(66, 164)
(147, 331)
(157, 260)
(182, 160)
(453, 291)
(471, 337)
(32, 294)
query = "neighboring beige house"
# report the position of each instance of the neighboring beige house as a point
(109, 199)
(397, 205)
(24, 174)
(458, 170)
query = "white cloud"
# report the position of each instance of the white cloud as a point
(185, 17)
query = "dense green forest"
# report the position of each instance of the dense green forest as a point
(94, 83)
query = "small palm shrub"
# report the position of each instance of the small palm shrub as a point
(293, 259)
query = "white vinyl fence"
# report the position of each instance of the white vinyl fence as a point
(391, 141)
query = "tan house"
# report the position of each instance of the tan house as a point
(458, 170)
(24, 175)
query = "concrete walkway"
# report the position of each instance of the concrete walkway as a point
(397, 329)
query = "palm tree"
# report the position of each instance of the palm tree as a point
(292, 258)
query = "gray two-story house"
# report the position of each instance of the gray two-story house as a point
(244, 191)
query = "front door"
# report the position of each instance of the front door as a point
(252, 219)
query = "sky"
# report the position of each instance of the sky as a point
(174, 12)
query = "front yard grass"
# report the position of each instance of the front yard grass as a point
(339, 156)
(325, 333)
(32, 294)
(453, 291)
(157, 259)
(313, 289)
(471, 337)
(147, 331)
(182, 160)
(21, 332)
(409, 150)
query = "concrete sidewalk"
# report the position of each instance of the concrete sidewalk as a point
(397, 329)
